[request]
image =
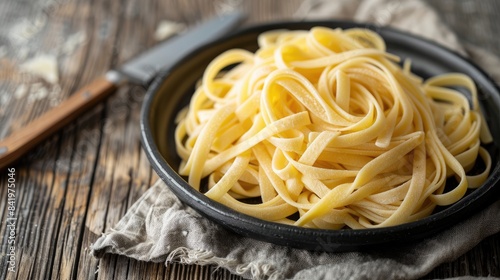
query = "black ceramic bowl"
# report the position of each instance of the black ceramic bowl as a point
(173, 88)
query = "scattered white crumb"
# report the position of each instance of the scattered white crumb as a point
(20, 91)
(167, 28)
(227, 6)
(73, 41)
(41, 93)
(37, 93)
(44, 66)
(184, 233)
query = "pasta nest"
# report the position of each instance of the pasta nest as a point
(324, 128)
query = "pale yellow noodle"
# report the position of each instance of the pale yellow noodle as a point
(326, 125)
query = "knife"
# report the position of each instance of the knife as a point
(140, 70)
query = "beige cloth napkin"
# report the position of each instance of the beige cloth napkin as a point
(159, 228)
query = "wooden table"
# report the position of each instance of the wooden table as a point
(79, 183)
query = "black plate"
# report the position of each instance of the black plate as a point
(173, 88)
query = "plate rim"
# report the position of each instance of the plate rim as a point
(340, 240)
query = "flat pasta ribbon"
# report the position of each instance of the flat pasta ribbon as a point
(324, 129)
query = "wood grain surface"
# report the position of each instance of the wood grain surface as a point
(80, 182)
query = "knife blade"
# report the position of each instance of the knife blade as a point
(141, 70)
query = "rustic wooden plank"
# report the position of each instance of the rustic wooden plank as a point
(80, 182)
(30, 208)
(128, 173)
(61, 223)
(123, 172)
(78, 188)
(70, 246)
(39, 214)
(146, 270)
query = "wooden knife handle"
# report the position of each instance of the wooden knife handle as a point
(20, 142)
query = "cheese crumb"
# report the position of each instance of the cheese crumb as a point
(167, 28)
(44, 66)
(73, 41)
(20, 91)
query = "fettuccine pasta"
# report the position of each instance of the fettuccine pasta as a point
(324, 129)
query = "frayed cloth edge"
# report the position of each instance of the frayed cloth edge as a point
(255, 270)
